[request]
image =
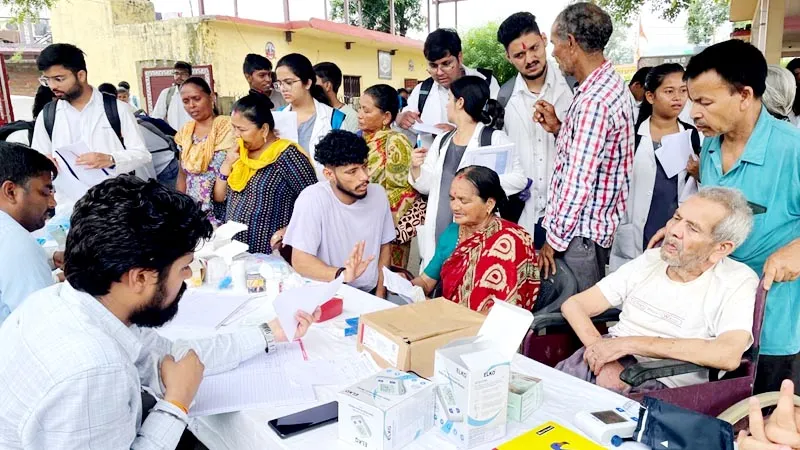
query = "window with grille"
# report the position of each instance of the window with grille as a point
(352, 88)
(410, 83)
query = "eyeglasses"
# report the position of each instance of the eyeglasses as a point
(444, 66)
(46, 81)
(180, 73)
(279, 85)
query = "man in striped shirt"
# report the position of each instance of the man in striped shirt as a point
(594, 148)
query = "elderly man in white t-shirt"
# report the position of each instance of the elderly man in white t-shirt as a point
(686, 301)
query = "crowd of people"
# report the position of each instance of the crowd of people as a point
(591, 183)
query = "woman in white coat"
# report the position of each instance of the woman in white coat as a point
(315, 117)
(432, 170)
(654, 196)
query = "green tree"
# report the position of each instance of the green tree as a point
(22, 10)
(705, 16)
(619, 50)
(407, 14)
(481, 49)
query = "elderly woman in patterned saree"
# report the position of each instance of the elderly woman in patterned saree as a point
(203, 141)
(389, 162)
(480, 257)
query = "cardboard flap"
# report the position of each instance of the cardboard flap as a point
(419, 321)
(505, 326)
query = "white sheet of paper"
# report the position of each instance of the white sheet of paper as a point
(286, 124)
(675, 152)
(231, 250)
(420, 127)
(338, 371)
(74, 180)
(258, 382)
(506, 326)
(206, 309)
(228, 230)
(689, 189)
(305, 298)
(397, 284)
(495, 157)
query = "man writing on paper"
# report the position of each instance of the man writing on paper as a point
(82, 117)
(342, 225)
(687, 300)
(76, 356)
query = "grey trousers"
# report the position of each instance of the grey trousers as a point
(587, 260)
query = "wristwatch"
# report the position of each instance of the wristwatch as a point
(268, 336)
(339, 272)
(113, 161)
(222, 177)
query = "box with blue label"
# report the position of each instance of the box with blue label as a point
(386, 411)
(472, 377)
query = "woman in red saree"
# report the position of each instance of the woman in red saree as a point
(480, 257)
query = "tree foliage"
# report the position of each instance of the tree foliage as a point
(619, 50)
(22, 10)
(407, 14)
(705, 16)
(481, 49)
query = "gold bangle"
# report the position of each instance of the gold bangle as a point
(180, 406)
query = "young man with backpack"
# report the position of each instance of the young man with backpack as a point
(329, 76)
(428, 101)
(169, 105)
(82, 115)
(537, 79)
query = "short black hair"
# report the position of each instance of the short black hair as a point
(341, 148)
(386, 98)
(125, 85)
(107, 88)
(442, 43)
(589, 24)
(254, 62)
(516, 26)
(19, 163)
(793, 65)
(183, 65)
(257, 108)
(67, 55)
(640, 76)
(737, 62)
(403, 91)
(125, 223)
(330, 72)
(487, 183)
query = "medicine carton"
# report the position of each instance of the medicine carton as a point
(386, 411)
(525, 395)
(472, 376)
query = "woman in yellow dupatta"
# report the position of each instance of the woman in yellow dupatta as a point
(389, 164)
(203, 141)
(260, 182)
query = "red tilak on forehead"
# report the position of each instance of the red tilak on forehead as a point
(524, 47)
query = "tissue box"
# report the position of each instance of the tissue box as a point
(472, 376)
(386, 411)
(525, 395)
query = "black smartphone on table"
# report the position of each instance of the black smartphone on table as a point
(302, 421)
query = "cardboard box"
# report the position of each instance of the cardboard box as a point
(472, 376)
(406, 337)
(386, 411)
(525, 395)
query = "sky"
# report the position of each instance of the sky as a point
(471, 13)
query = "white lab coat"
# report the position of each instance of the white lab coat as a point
(176, 115)
(435, 110)
(535, 146)
(430, 180)
(101, 139)
(628, 239)
(322, 126)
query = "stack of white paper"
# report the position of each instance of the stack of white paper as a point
(340, 371)
(305, 298)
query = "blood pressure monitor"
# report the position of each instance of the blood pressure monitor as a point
(602, 426)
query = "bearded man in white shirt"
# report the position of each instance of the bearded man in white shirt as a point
(76, 357)
(686, 301)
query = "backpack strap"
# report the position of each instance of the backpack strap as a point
(696, 146)
(486, 136)
(337, 119)
(170, 94)
(49, 117)
(112, 114)
(486, 73)
(506, 91)
(424, 92)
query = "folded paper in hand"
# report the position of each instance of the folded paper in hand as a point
(305, 298)
(286, 124)
(495, 157)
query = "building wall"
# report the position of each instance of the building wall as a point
(23, 77)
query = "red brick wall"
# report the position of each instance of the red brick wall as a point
(22, 78)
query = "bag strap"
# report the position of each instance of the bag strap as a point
(506, 91)
(170, 94)
(424, 91)
(488, 74)
(337, 119)
(486, 136)
(49, 118)
(112, 114)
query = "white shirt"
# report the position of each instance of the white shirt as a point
(350, 118)
(92, 127)
(435, 109)
(535, 146)
(722, 299)
(71, 375)
(175, 115)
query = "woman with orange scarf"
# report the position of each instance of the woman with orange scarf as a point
(203, 142)
(261, 181)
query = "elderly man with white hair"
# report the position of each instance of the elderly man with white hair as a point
(781, 89)
(687, 300)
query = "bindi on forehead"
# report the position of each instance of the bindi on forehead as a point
(524, 47)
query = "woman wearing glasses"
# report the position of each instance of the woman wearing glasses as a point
(315, 117)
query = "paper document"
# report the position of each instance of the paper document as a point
(506, 326)
(347, 371)
(675, 152)
(305, 298)
(420, 127)
(689, 189)
(397, 284)
(257, 382)
(206, 309)
(74, 180)
(286, 124)
(495, 157)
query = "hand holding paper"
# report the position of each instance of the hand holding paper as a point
(306, 299)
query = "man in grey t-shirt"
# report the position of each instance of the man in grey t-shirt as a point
(342, 225)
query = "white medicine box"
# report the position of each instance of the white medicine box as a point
(386, 411)
(472, 377)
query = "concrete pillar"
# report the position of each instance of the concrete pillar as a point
(767, 30)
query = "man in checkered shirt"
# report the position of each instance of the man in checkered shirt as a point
(594, 148)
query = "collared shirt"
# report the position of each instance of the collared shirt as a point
(435, 109)
(23, 267)
(71, 375)
(594, 155)
(768, 173)
(174, 113)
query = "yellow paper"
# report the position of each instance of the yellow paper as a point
(550, 436)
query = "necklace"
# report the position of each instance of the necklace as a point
(462, 232)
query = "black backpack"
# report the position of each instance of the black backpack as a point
(427, 85)
(7, 129)
(112, 114)
(507, 89)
